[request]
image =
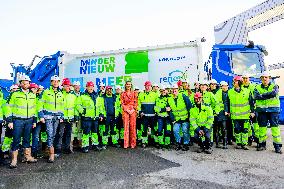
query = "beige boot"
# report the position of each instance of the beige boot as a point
(27, 156)
(14, 159)
(51, 155)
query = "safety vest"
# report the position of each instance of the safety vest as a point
(146, 103)
(268, 104)
(22, 105)
(52, 102)
(209, 100)
(86, 102)
(202, 118)
(160, 106)
(118, 109)
(219, 100)
(69, 108)
(178, 108)
(239, 103)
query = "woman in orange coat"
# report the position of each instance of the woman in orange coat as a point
(129, 107)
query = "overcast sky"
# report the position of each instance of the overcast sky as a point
(40, 27)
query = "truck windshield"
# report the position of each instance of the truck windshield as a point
(246, 62)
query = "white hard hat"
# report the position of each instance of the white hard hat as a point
(168, 87)
(265, 74)
(40, 87)
(155, 85)
(76, 83)
(117, 87)
(102, 84)
(136, 88)
(213, 81)
(163, 87)
(24, 78)
(14, 87)
(223, 83)
(175, 86)
(55, 78)
(204, 82)
(245, 74)
(183, 80)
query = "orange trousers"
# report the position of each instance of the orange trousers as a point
(129, 123)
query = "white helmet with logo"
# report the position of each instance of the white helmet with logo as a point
(24, 78)
(54, 78)
(14, 87)
(76, 83)
(213, 81)
(265, 74)
(223, 83)
(102, 84)
(117, 87)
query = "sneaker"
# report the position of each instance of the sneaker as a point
(208, 151)
(278, 150)
(245, 147)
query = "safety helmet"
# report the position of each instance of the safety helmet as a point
(117, 87)
(179, 83)
(40, 87)
(76, 83)
(54, 78)
(175, 86)
(108, 87)
(198, 95)
(147, 83)
(238, 78)
(14, 87)
(136, 88)
(90, 84)
(265, 74)
(33, 85)
(155, 85)
(24, 78)
(66, 81)
(213, 81)
(223, 83)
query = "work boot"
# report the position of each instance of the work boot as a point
(250, 139)
(85, 149)
(13, 164)
(225, 147)
(104, 147)
(218, 146)
(51, 155)
(27, 156)
(199, 150)
(208, 151)
(238, 147)
(178, 147)
(2, 159)
(144, 145)
(278, 150)
(245, 147)
(97, 148)
(185, 147)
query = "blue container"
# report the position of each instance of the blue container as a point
(282, 109)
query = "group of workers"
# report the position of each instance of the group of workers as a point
(59, 118)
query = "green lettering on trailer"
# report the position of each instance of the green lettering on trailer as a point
(136, 62)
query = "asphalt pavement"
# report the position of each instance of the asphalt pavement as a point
(152, 168)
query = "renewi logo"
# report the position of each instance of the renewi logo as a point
(173, 77)
(97, 65)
